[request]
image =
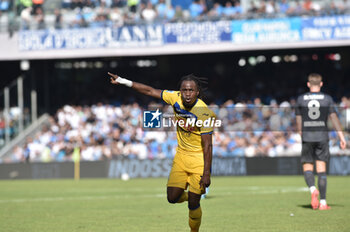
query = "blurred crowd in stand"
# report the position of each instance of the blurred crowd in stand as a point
(103, 132)
(41, 14)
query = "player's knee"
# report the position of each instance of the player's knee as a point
(193, 205)
(193, 201)
(171, 199)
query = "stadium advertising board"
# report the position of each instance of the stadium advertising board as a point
(205, 32)
(135, 36)
(63, 39)
(139, 168)
(339, 165)
(132, 36)
(326, 28)
(161, 167)
(234, 166)
(135, 168)
(173, 38)
(266, 30)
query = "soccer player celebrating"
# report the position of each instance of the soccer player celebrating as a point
(312, 111)
(193, 158)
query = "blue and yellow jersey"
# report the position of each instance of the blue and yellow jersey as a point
(190, 124)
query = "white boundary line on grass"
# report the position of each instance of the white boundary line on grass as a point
(47, 199)
(251, 190)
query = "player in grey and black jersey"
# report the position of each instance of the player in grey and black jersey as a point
(312, 112)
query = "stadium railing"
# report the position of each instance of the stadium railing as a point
(18, 111)
(21, 137)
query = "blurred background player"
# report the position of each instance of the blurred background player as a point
(312, 112)
(193, 158)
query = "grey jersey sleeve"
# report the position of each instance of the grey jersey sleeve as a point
(331, 105)
(298, 106)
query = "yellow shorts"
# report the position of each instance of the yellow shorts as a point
(187, 170)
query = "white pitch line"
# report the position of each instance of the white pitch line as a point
(258, 190)
(265, 188)
(270, 191)
(47, 199)
(251, 190)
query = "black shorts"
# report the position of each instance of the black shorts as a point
(312, 151)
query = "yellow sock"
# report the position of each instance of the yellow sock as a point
(195, 218)
(184, 197)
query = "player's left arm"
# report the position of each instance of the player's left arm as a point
(336, 123)
(298, 117)
(299, 124)
(207, 154)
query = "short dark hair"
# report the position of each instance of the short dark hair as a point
(200, 82)
(315, 79)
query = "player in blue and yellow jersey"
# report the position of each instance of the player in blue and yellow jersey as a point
(193, 158)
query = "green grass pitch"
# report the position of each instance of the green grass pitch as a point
(233, 204)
